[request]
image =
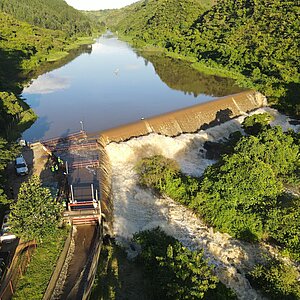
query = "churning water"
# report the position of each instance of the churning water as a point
(137, 209)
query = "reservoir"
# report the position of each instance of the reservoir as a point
(110, 84)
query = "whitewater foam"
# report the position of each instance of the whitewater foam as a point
(136, 209)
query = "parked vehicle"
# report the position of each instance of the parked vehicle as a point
(5, 235)
(21, 166)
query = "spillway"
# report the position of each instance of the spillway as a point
(190, 119)
(137, 209)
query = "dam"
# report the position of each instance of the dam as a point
(190, 119)
(125, 208)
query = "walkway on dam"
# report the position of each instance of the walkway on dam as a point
(78, 155)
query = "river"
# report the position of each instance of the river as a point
(112, 84)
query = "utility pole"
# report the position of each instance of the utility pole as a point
(81, 123)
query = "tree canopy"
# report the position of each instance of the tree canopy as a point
(175, 271)
(54, 14)
(36, 214)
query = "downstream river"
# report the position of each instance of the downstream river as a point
(110, 84)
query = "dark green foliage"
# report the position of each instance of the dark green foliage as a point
(158, 22)
(275, 148)
(163, 175)
(53, 14)
(236, 195)
(8, 152)
(283, 225)
(258, 39)
(277, 280)
(175, 271)
(243, 193)
(35, 215)
(257, 123)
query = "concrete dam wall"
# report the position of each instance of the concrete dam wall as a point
(188, 120)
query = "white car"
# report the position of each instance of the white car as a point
(5, 234)
(21, 166)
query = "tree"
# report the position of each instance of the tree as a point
(257, 123)
(36, 214)
(276, 279)
(163, 175)
(175, 271)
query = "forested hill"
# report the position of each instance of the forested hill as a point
(50, 14)
(157, 22)
(257, 40)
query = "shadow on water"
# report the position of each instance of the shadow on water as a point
(179, 75)
(39, 129)
(52, 65)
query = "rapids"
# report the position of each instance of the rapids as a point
(137, 209)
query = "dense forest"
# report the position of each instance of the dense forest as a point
(254, 41)
(54, 14)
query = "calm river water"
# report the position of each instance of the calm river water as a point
(110, 85)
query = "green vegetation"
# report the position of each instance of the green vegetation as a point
(253, 41)
(160, 23)
(34, 282)
(174, 271)
(277, 280)
(257, 123)
(164, 176)
(119, 278)
(54, 14)
(164, 269)
(36, 215)
(24, 47)
(243, 194)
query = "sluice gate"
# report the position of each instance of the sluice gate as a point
(77, 156)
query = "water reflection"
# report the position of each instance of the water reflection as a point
(49, 83)
(110, 85)
(179, 75)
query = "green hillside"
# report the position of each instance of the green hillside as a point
(157, 22)
(254, 41)
(50, 14)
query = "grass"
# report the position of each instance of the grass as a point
(34, 282)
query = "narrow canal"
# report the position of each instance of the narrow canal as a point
(111, 84)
